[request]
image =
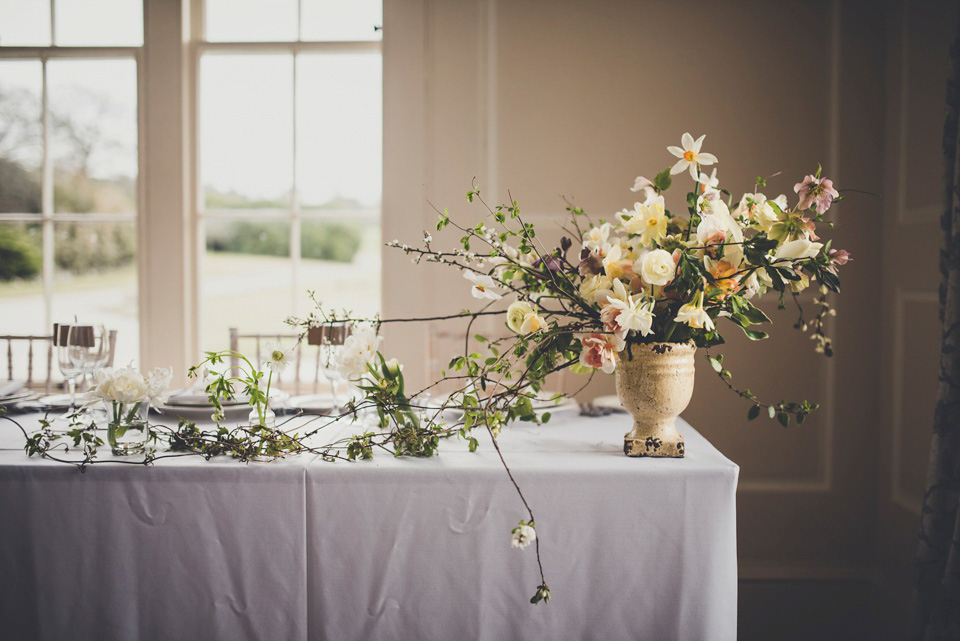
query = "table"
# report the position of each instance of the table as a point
(384, 549)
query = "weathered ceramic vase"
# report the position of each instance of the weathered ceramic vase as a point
(655, 385)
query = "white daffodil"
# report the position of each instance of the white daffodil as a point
(277, 357)
(634, 314)
(614, 262)
(597, 237)
(797, 250)
(709, 182)
(483, 285)
(644, 186)
(694, 315)
(648, 220)
(656, 267)
(690, 156)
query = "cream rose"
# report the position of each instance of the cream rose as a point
(596, 286)
(656, 267)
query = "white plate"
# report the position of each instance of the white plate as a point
(199, 399)
(611, 402)
(59, 401)
(321, 404)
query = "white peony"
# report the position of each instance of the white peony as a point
(123, 385)
(656, 267)
(158, 380)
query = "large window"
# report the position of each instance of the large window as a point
(289, 163)
(69, 194)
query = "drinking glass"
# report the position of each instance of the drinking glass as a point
(332, 337)
(67, 368)
(88, 348)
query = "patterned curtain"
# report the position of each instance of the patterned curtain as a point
(936, 604)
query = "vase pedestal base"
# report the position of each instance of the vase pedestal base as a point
(670, 447)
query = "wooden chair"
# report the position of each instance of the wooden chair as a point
(304, 362)
(44, 345)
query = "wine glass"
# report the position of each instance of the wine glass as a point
(88, 349)
(332, 336)
(67, 368)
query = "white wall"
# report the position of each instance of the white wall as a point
(565, 98)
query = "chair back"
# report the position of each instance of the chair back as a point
(37, 348)
(303, 375)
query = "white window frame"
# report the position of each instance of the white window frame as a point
(47, 217)
(292, 214)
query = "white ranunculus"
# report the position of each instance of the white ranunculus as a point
(656, 267)
(592, 288)
(359, 349)
(796, 250)
(517, 311)
(532, 322)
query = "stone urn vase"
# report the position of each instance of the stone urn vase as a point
(655, 384)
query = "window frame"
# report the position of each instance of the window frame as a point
(48, 217)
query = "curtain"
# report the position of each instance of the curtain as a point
(936, 604)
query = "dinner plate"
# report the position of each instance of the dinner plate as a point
(232, 411)
(611, 402)
(59, 401)
(321, 404)
(19, 397)
(200, 399)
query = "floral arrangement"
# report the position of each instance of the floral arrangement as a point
(126, 390)
(656, 272)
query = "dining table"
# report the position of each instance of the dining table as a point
(393, 548)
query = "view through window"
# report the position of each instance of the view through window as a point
(69, 166)
(289, 161)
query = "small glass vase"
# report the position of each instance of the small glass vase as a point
(269, 418)
(127, 434)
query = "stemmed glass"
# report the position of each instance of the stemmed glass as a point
(67, 368)
(88, 350)
(332, 336)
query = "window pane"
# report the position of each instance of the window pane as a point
(102, 23)
(339, 103)
(339, 20)
(246, 279)
(93, 114)
(21, 144)
(341, 263)
(24, 23)
(251, 20)
(96, 280)
(246, 131)
(21, 297)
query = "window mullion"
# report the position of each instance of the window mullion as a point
(295, 232)
(46, 199)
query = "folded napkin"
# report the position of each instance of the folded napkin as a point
(9, 388)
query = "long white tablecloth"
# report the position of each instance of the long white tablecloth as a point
(384, 549)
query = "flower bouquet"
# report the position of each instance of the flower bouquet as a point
(128, 395)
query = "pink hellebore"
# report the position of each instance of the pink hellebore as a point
(840, 256)
(600, 352)
(818, 192)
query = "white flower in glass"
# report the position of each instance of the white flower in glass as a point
(277, 357)
(690, 155)
(523, 536)
(158, 380)
(483, 285)
(694, 315)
